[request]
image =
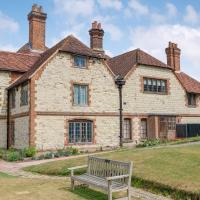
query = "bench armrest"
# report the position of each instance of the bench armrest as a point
(74, 168)
(117, 177)
(78, 167)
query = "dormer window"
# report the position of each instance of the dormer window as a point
(80, 61)
(191, 99)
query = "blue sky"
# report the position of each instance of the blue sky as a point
(128, 24)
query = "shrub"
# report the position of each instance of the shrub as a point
(12, 156)
(48, 155)
(149, 143)
(30, 151)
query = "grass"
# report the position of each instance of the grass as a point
(176, 168)
(185, 140)
(34, 189)
(3, 175)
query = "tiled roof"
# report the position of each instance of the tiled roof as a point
(27, 49)
(191, 85)
(122, 64)
(11, 61)
(69, 44)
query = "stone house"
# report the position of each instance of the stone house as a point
(66, 95)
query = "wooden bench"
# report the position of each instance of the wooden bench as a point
(109, 175)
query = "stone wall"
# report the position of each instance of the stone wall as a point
(146, 103)
(4, 83)
(54, 87)
(3, 133)
(21, 132)
(190, 120)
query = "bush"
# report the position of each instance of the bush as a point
(30, 151)
(149, 143)
(12, 156)
(48, 155)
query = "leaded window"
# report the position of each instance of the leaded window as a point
(24, 95)
(191, 99)
(155, 85)
(80, 132)
(12, 98)
(167, 123)
(127, 129)
(80, 94)
(143, 128)
(80, 61)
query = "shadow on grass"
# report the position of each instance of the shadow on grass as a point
(89, 194)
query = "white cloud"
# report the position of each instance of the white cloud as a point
(8, 24)
(191, 15)
(8, 47)
(137, 7)
(171, 9)
(155, 39)
(115, 4)
(83, 8)
(108, 52)
(114, 31)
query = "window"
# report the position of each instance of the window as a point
(12, 98)
(143, 128)
(24, 95)
(191, 99)
(80, 131)
(80, 61)
(167, 123)
(80, 94)
(127, 129)
(155, 85)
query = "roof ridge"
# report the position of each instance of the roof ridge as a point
(124, 53)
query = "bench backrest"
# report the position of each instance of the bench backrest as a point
(106, 168)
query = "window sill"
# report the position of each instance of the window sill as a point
(77, 67)
(159, 93)
(79, 105)
(191, 106)
(81, 143)
(127, 140)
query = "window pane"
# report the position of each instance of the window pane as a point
(80, 61)
(80, 94)
(80, 132)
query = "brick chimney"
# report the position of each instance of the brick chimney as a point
(37, 20)
(173, 56)
(96, 37)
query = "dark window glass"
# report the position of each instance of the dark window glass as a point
(24, 95)
(80, 61)
(155, 85)
(143, 128)
(127, 129)
(191, 99)
(80, 94)
(167, 123)
(80, 132)
(12, 98)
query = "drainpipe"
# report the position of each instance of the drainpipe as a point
(119, 81)
(8, 118)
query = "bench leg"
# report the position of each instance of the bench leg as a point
(72, 184)
(129, 194)
(109, 194)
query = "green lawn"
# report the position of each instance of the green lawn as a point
(176, 167)
(36, 189)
